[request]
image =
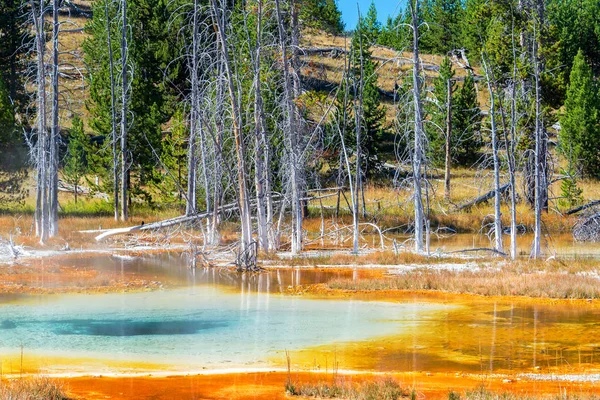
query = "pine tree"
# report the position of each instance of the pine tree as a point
(7, 116)
(370, 26)
(322, 14)
(394, 34)
(436, 130)
(13, 34)
(153, 50)
(580, 127)
(444, 18)
(363, 75)
(466, 118)
(75, 166)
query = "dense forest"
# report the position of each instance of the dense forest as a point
(227, 110)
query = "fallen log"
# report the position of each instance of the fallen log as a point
(500, 253)
(583, 207)
(483, 198)
(181, 220)
(163, 224)
(587, 229)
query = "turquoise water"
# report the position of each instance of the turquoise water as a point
(196, 327)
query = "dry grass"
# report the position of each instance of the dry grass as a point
(482, 393)
(380, 389)
(37, 388)
(485, 283)
(374, 258)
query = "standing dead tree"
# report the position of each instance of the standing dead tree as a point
(113, 112)
(541, 142)
(242, 192)
(292, 130)
(418, 132)
(124, 100)
(40, 151)
(496, 160)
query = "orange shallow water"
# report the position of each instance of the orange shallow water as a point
(270, 385)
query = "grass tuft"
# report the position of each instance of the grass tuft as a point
(38, 388)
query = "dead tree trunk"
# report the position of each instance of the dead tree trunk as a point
(190, 206)
(292, 132)
(244, 204)
(497, 200)
(41, 218)
(448, 138)
(261, 175)
(124, 89)
(113, 114)
(418, 134)
(540, 144)
(55, 131)
(510, 148)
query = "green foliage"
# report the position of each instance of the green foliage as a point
(7, 116)
(12, 154)
(466, 120)
(153, 51)
(322, 14)
(487, 25)
(75, 166)
(574, 26)
(363, 74)
(13, 34)
(580, 128)
(370, 26)
(436, 128)
(174, 158)
(394, 34)
(444, 19)
(571, 194)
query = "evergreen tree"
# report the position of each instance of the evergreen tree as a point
(370, 26)
(174, 153)
(7, 117)
(436, 129)
(13, 34)
(322, 14)
(394, 34)
(574, 26)
(75, 166)
(444, 18)
(365, 76)
(466, 120)
(153, 50)
(580, 126)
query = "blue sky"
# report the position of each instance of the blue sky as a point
(350, 12)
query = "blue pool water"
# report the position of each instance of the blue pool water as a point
(203, 326)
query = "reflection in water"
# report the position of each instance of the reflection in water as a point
(217, 318)
(484, 337)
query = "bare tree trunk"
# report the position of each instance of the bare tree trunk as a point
(124, 89)
(113, 114)
(418, 134)
(448, 138)
(260, 172)
(41, 227)
(190, 207)
(55, 131)
(244, 205)
(497, 199)
(291, 85)
(213, 233)
(537, 230)
(510, 148)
